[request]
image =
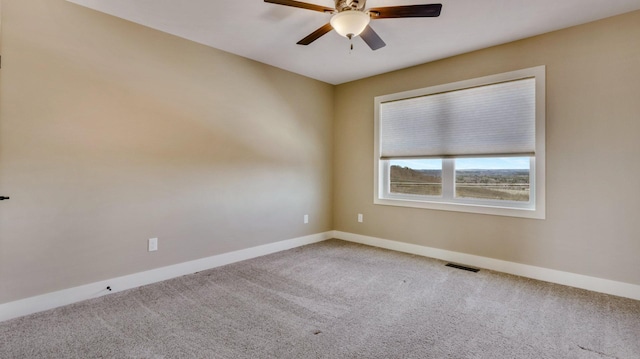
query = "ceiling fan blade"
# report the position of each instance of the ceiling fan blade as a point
(371, 38)
(315, 35)
(390, 12)
(301, 5)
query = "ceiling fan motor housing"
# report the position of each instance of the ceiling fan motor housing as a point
(342, 5)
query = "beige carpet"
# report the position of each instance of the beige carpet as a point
(335, 300)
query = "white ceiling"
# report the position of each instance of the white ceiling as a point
(268, 33)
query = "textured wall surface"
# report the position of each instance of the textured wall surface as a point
(112, 133)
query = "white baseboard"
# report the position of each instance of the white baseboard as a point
(60, 298)
(621, 289)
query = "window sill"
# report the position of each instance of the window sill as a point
(495, 210)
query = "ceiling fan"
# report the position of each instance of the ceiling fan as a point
(350, 19)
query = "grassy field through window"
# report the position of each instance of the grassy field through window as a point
(406, 180)
(505, 185)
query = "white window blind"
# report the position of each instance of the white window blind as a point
(490, 120)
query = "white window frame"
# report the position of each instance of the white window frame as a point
(535, 208)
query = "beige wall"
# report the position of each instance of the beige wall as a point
(112, 133)
(593, 155)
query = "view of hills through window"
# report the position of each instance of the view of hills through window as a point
(483, 178)
(506, 185)
(407, 180)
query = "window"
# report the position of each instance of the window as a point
(471, 146)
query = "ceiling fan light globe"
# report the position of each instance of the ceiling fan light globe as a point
(350, 23)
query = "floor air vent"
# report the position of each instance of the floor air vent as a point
(470, 269)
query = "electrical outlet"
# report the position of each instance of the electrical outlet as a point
(153, 244)
(360, 218)
(306, 218)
